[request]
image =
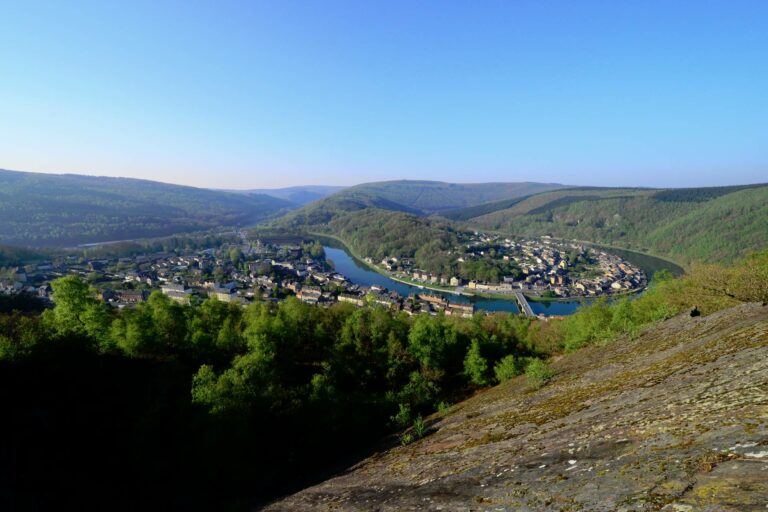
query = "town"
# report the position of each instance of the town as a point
(245, 271)
(543, 268)
(235, 273)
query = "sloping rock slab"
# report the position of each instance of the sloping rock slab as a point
(675, 420)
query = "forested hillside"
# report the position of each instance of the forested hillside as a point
(705, 224)
(378, 233)
(427, 197)
(55, 210)
(533, 200)
(322, 212)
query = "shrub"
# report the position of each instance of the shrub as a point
(416, 432)
(538, 373)
(419, 427)
(507, 368)
(403, 416)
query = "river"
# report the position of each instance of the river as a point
(359, 274)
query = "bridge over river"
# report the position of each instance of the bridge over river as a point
(525, 308)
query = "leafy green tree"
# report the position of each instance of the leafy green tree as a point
(419, 391)
(432, 341)
(229, 339)
(168, 322)
(203, 325)
(96, 322)
(322, 389)
(314, 249)
(135, 333)
(235, 255)
(476, 366)
(419, 427)
(19, 336)
(78, 311)
(591, 324)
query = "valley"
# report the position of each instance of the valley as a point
(394, 327)
(384, 256)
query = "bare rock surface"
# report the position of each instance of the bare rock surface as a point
(674, 420)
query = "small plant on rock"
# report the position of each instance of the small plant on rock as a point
(538, 373)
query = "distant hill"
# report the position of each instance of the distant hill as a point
(713, 224)
(434, 196)
(338, 205)
(564, 194)
(415, 197)
(55, 210)
(299, 195)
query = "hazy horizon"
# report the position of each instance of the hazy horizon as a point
(223, 188)
(271, 95)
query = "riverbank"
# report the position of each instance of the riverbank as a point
(639, 258)
(409, 282)
(360, 274)
(454, 290)
(671, 264)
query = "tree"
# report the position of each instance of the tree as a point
(591, 323)
(229, 339)
(134, 334)
(235, 254)
(419, 391)
(314, 249)
(431, 341)
(168, 321)
(476, 366)
(78, 311)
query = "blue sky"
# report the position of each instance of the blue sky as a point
(267, 94)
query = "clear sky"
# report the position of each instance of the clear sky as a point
(265, 94)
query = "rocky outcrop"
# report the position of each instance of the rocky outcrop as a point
(674, 420)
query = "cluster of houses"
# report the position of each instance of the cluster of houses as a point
(544, 267)
(18, 280)
(244, 272)
(259, 271)
(568, 269)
